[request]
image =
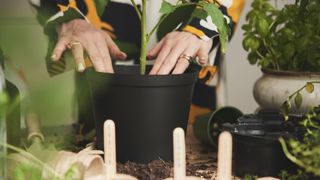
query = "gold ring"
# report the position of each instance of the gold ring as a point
(72, 43)
(186, 57)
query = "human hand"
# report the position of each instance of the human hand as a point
(97, 44)
(172, 52)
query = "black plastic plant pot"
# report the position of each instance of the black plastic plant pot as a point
(259, 156)
(257, 150)
(145, 109)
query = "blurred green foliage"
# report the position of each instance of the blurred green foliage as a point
(287, 39)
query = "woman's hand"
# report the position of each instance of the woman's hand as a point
(97, 44)
(172, 50)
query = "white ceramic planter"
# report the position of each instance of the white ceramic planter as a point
(274, 87)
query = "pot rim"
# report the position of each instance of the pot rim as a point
(138, 80)
(290, 73)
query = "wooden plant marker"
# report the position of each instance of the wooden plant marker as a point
(225, 156)
(179, 155)
(109, 133)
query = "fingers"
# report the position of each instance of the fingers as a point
(160, 59)
(171, 59)
(95, 56)
(114, 50)
(105, 55)
(181, 66)
(60, 47)
(77, 52)
(155, 50)
(203, 56)
(203, 52)
(182, 63)
(93, 42)
(172, 46)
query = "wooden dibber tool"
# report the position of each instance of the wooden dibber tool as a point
(109, 132)
(179, 153)
(225, 156)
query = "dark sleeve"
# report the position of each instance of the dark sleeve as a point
(206, 30)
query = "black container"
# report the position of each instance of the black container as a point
(145, 109)
(257, 150)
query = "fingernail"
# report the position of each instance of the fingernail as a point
(81, 68)
(150, 57)
(53, 57)
(123, 55)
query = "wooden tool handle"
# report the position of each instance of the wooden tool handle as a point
(33, 126)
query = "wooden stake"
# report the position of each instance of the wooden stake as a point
(110, 148)
(225, 156)
(179, 153)
(109, 133)
(179, 156)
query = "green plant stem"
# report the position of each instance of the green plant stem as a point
(136, 8)
(32, 157)
(271, 51)
(260, 55)
(312, 82)
(144, 39)
(295, 160)
(288, 154)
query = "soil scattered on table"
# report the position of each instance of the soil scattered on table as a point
(159, 169)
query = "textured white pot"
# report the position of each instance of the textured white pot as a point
(274, 87)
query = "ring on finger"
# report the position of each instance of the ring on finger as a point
(73, 43)
(186, 57)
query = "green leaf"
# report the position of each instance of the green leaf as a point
(253, 58)
(246, 27)
(199, 13)
(298, 100)
(309, 87)
(264, 63)
(255, 44)
(288, 33)
(246, 43)
(285, 108)
(262, 27)
(181, 14)
(251, 42)
(288, 50)
(218, 19)
(166, 7)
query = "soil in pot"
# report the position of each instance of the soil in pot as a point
(144, 108)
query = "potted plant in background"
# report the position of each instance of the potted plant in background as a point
(285, 43)
(146, 108)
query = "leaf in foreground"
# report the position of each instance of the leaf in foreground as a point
(166, 7)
